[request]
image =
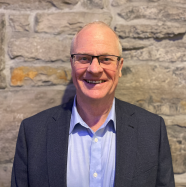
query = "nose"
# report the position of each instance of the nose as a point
(95, 67)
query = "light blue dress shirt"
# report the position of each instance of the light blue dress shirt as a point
(91, 155)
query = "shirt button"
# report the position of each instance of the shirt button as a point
(95, 174)
(96, 140)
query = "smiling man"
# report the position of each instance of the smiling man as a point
(94, 140)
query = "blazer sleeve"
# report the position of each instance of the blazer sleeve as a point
(19, 170)
(165, 175)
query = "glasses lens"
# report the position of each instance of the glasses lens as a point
(82, 59)
(107, 61)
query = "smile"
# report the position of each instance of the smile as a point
(95, 82)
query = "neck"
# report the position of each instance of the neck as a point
(94, 112)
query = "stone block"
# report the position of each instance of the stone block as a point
(99, 4)
(154, 77)
(148, 31)
(61, 4)
(175, 120)
(40, 76)
(116, 3)
(68, 22)
(119, 2)
(177, 1)
(162, 52)
(19, 22)
(2, 80)
(154, 12)
(133, 44)
(5, 174)
(156, 88)
(36, 4)
(2, 38)
(180, 185)
(38, 48)
(180, 180)
(19, 104)
(177, 141)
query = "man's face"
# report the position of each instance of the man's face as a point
(96, 40)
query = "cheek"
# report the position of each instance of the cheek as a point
(115, 78)
(112, 75)
(77, 74)
(80, 69)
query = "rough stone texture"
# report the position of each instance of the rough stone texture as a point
(2, 35)
(164, 51)
(154, 77)
(177, 1)
(159, 12)
(2, 52)
(47, 49)
(181, 185)
(71, 22)
(148, 31)
(61, 4)
(40, 76)
(133, 44)
(94, 4)
(20, 22)
(157, 88)
(36, 4)
(119, 2)
(5, 174)
(116, 3)
(175, 120)
(177, 140)
(2, 80)
(180, 180)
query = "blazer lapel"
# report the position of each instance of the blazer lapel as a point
(126, 144)
(57, 145)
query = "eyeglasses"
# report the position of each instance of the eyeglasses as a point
(105, 61)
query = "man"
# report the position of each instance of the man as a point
(94, 140)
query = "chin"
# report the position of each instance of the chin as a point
(97, 96)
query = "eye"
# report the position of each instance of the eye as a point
(84, 58)
(106, 59)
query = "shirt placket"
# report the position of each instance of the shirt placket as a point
(95, 162)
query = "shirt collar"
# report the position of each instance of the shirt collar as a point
(76, 118)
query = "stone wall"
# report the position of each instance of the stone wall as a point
(35, 71)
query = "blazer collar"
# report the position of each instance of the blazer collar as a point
(126, 143)
(57, 145)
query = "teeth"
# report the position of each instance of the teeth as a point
(95, 82)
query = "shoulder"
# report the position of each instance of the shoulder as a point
(44, 114)
(130, 108)
(144, 117)
(42, 117)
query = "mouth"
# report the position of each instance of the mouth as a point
(95, 82)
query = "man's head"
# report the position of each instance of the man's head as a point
(96, 81)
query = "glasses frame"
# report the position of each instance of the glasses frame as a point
(118, 57)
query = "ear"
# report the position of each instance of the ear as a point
(120, 67)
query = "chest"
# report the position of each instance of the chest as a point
(91, 157)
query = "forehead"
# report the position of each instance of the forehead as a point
(96, 40)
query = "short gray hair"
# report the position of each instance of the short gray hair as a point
(99, 23)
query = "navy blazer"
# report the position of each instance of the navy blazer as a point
(143, 157)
